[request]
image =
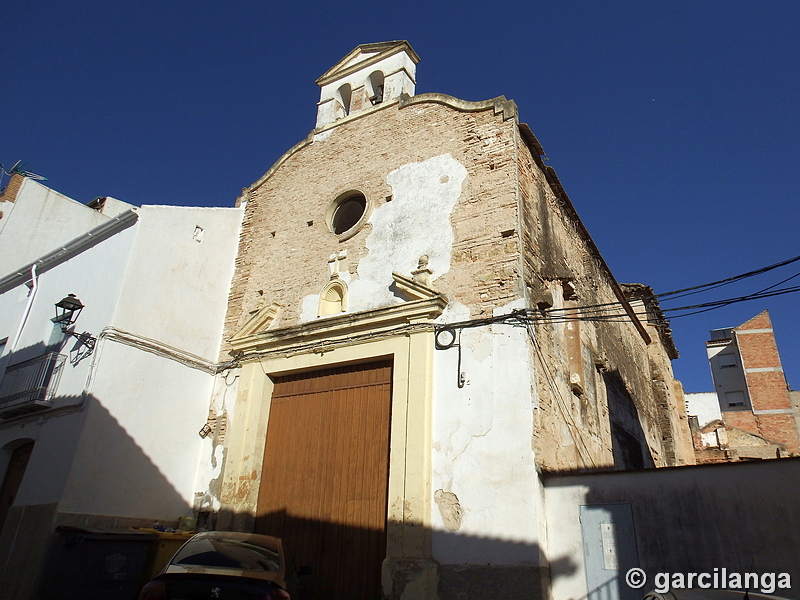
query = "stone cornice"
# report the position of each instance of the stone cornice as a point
(500, 105)
(345, 329)
(383, 50)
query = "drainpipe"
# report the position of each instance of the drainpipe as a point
(31, 297)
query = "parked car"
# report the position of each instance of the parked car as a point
(223, 565)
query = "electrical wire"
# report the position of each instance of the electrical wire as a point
(591, 308)
(714, 284)
(522, 317)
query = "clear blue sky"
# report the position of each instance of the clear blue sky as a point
(672, 125)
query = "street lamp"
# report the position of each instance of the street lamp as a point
(67, 311)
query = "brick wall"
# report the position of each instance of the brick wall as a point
(766, 384)
(513, 238)
(285, 241)
(573, 425)
(12, 188)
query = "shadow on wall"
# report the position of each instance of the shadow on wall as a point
(346, 561)
(726, 520)
(84, 470)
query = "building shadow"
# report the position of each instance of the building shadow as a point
(717, 519)
(86, 471)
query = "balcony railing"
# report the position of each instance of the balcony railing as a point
(30, 385)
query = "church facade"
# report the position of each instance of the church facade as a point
(421, 326)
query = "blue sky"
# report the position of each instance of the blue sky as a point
(672, 125)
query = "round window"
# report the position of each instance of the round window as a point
(347, 212)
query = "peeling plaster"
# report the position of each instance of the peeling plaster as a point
(209, 475)
(449, 509)
(415, 222)
(481, 451)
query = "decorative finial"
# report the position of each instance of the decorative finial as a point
(422, 274)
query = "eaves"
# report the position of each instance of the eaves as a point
(72, 248)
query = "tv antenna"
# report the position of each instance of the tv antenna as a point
(19, 167)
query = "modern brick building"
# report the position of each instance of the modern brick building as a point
(756, 418)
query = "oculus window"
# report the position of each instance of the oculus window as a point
(347, 214)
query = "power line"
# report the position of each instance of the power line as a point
(730, 279)
(598, 308)
(522, 317)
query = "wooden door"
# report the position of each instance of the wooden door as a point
(13, 479)
(325, 476)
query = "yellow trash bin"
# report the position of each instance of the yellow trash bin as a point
(164, 548)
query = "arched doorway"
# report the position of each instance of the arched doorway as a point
(13, 478)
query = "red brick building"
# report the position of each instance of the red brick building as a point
(750, 384)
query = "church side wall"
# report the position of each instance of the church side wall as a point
(576, 426)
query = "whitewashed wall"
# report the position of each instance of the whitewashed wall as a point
(174, 293)
(40, 220)
(56, 436)
(133, 450)
(482, 450)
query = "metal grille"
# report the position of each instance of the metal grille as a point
(31, 383)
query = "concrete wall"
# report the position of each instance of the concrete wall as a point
(738, 516)
(727, 372)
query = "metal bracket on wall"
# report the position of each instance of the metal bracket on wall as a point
(446, 337)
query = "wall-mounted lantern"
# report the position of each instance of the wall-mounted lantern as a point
(67, 311)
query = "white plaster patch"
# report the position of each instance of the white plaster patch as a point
(482, 444)
(509, 308)
(415, 222)
(453, 313)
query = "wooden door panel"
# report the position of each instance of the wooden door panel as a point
(13, 479)
(325, 475)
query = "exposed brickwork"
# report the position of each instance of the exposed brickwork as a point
(779, 428)
(741, 419)
(12, 188)
(768, 389)
(556, 251)
(513, 238)
(759, 350)
(292, 264)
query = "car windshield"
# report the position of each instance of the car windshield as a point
(228, 553)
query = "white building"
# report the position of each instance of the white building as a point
(104, 425)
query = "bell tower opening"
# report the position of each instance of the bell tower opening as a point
(369, 76)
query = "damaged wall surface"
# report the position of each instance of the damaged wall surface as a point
(461, 243)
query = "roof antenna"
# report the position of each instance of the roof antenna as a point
(19, 167)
